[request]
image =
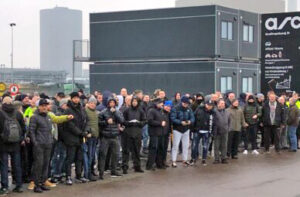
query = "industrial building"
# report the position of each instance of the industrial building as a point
(203, 48)
(36, 76)
(58, 28)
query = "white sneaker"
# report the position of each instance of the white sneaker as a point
(255, 152)
(245, 152)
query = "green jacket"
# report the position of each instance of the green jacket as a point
(29, 112)
(297, 104)
(250, 111)
(237, 119)
(93, 122)
(56, 120)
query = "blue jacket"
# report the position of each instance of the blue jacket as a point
(179, 114)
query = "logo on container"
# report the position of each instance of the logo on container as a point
(273, 24)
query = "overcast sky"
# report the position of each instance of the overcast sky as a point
(25, 13)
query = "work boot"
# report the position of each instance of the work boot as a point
(38, 189)
(31, 185)
(139, 170)
(18, 189)
(49, 184)
(44, 188)
(92, 178)
(224, 161)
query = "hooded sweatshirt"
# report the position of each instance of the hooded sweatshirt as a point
(134, 120)
(110, 130)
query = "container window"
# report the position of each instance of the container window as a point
(224, 30)
(226, 84)
(251, 33)
(248, 33)
(230, 30)
(247, 84)
(227, 30)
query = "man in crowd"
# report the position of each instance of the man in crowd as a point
(273, 119)
(293, 123)
(202, 130)
(12, 131)
(237, 122)
(93, 130)
(283, 142)
(156, 123)
(260, 103)
(145, 135)
(73, 138)
(166, 133)
(134, 120)
(252, 114)
(182, 118)
(40, 128)
(221, 126)
(110, 120)
(59, 156)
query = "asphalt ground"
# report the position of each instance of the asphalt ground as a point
(254, 176)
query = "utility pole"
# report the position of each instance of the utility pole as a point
(73, 67)
(12, 51)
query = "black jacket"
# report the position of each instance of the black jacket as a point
(167, 128)
(203, 119)
(144, 106)
(134, 128)
(279, 115)
(155, 117)
(75, 129)
(40, 129)
(11, 147)
(110, 130)
(61, 127)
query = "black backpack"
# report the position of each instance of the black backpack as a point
(11, 130)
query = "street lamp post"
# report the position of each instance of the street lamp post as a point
(12, 51)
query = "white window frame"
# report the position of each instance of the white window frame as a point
(248, 33)
(247, 84)
(227, 30)
(225, 83)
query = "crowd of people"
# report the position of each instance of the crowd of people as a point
(43, 137)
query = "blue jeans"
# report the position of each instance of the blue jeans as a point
(195, 145)
(92, 146)
(293, 137)
(86, 162)
(145, 135)
(58, 160)
(16, 164)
